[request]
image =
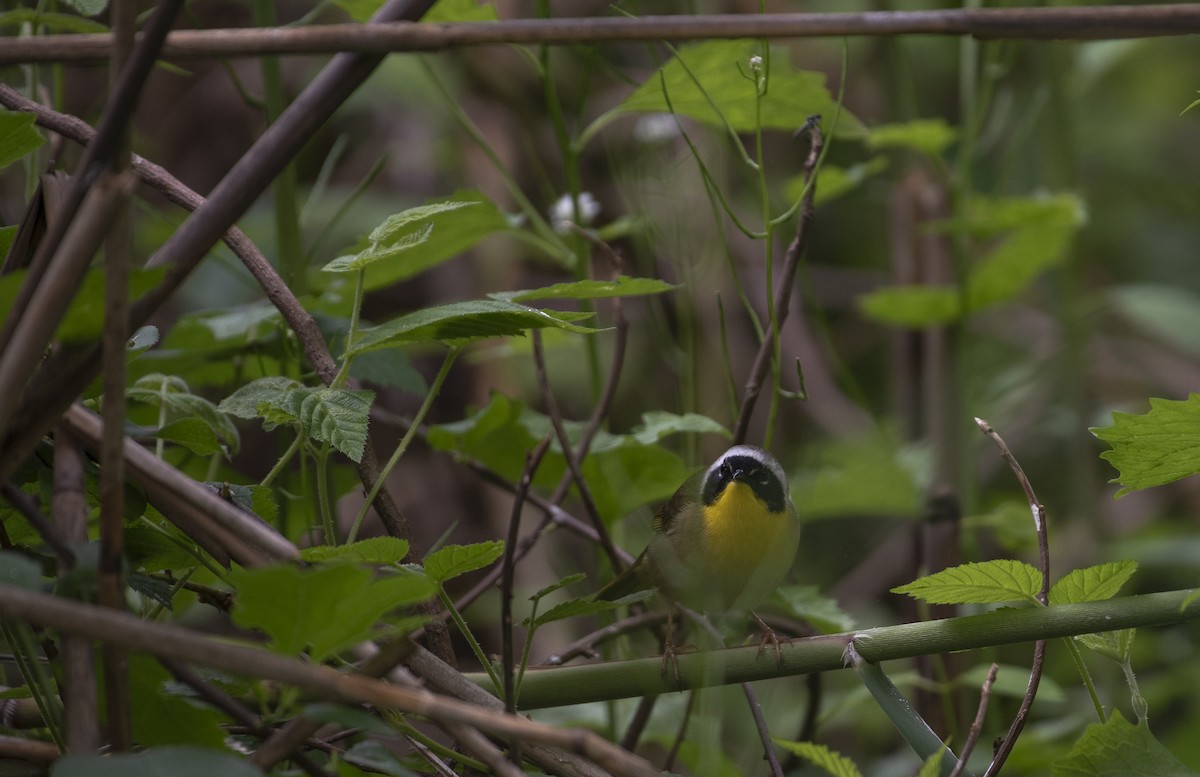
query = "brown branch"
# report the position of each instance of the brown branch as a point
(1039, 649)
(19, 748)
(783, 295)
(985, 693)
(1054, 23)
(171, 641)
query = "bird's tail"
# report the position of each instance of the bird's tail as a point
(635, 578)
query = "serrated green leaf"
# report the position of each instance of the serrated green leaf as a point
(986, 582)
(929, 136)
(18, 137)
(380, 252)
(1158, 447)
(335, 416)
(1116, 645)
(156, 762)
(563, 583)
(720, 67)
(377, 550)
(806, 603)
(172, 395)
(1092, 584)
(268, 392)
(454, 560)
(1117, 748)
(464, 321)
(821, 756)
(623, 286)
(327, 608)
(574, 608)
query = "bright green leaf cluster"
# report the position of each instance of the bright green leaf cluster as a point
(193, 421)
(1007, 580)
(1158, 447)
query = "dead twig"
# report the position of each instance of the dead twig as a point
(976, 725)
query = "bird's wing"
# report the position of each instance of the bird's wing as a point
(666, 515)
(635, 578)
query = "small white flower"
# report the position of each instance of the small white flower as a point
(756, 63)
(562, 214)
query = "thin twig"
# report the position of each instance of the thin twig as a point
(573, 463)
(50, 534)
(1039, 648)
(783, 294)
(985, 693)
(1053, 23)
(508, 569)
(586, 645)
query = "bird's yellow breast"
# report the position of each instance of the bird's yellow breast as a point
(740, 531)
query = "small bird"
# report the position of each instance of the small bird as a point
(723, 543)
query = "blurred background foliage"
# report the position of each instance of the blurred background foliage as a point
(1055, 181)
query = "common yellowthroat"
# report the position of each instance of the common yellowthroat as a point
(723, 542)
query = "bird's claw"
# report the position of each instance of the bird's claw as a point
(769, 637)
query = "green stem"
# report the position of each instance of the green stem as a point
(401, 724)
(322, 475)
(622, 679)
(476, 648)
(418, 419)
(343, 373)
(1073, 649)
(20, 637)
(281, 465)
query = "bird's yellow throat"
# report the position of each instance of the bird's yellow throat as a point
(739, 529)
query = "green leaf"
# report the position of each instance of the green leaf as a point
(657, 424)
(1012, 681)
(563, 583)
(929, 136)
(191, 433)
(869, 475)
(455, 228)
(834, 181)
(88, 7)
(1168, 313)
(328, 415)
(377, 550)
(163, 718)
(172, 395)
(346, 717)
(79, 323)
(20, 571)
(623, 286)
(1092, 584)
(721, 68)
(1117, 748)
(461, 11)
(932, 767)
(1159, 447)
(1116, 645)
(326, 608)
(806, 603)
(380, 252)
(622, 472)
(1040, 230)
(389, 369)
(52, 22)
(573, 608)
(374, 758)
(821, 756)
(463, 321)
(987, 582)
(156, 762)
(454, 560)
(18, 137)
